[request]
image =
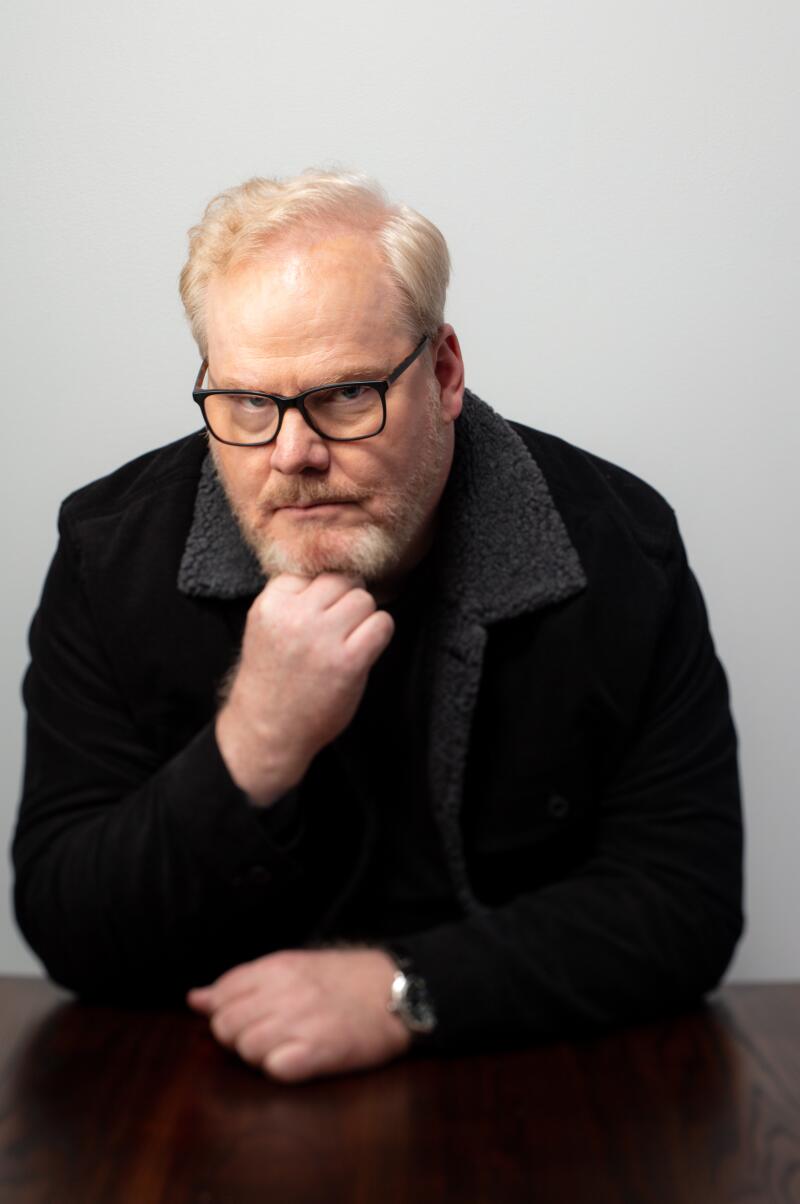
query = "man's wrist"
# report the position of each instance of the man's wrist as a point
(262, 776)
(410, 999)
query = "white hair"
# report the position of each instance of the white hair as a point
(238, 224)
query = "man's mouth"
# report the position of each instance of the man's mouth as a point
(310, 505)
(315, 510)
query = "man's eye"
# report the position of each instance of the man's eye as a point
(253, 402)
(350, 392)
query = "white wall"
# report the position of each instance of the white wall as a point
(618, 182)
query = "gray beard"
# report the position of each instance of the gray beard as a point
(370, 551)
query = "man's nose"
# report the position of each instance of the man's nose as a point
(297, 446)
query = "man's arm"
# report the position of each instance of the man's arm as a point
(135, 878)
(650, 920)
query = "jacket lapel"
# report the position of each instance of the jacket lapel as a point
(504, 552)
(216, 561)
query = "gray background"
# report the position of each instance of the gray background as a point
(618, 183)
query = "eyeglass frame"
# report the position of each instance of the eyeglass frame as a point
(298, 401)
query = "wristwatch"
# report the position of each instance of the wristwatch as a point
(410, 999)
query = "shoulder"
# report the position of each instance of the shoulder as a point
(625, 532)
(156, 474)
(591, 492)
(131, 525)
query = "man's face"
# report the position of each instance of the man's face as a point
(312, 313)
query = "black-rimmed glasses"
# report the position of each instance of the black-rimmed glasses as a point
(344, 411)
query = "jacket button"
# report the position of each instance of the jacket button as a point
(558, 806)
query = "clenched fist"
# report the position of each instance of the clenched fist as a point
(301, 1013)
(308, 647)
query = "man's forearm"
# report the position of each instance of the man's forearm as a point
(258, 766)
(607, 947)
(168, 885)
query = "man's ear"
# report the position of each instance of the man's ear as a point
(448, 367)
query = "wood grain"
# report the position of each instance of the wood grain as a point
(144, 1107)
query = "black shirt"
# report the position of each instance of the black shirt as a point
(407, 881)
(380, 759)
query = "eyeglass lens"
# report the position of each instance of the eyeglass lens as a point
(347, 412)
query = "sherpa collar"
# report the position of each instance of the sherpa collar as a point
(504, 547)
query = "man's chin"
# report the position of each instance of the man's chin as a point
(364, 552)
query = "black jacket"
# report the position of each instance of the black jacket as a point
(582, 764)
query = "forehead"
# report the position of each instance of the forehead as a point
(303, 307)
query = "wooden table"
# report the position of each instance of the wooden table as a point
(104, 1104)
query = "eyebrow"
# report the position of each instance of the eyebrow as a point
(356, 372)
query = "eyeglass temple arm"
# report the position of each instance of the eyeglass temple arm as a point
(408, 360)
(200, 375)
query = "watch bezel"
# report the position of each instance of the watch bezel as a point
(411, 1002)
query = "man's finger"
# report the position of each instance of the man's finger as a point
(289, 583)
(254, 1041)
(326, 589)
(291, 1062)
(349, 611)
(199, 998)
(235, 983)
(232, 1020)
(372, 636)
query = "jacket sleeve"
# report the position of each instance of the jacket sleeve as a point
(649, 921)
(133, 879)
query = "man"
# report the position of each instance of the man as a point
(366, 718)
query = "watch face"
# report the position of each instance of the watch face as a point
(418, 1006)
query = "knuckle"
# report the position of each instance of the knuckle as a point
(365, 597)
(220, 1027)
(285, 583)
(383, 627)
(232, 981)
(289, 1066)
(259, 617)
(385, 620)
(309, 998)
(286, 965)
(262, 603)
(249, 1046)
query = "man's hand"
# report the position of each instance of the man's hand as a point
(307, 650)
(300, 1013)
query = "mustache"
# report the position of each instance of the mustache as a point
(292, 495)
(291, 492)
